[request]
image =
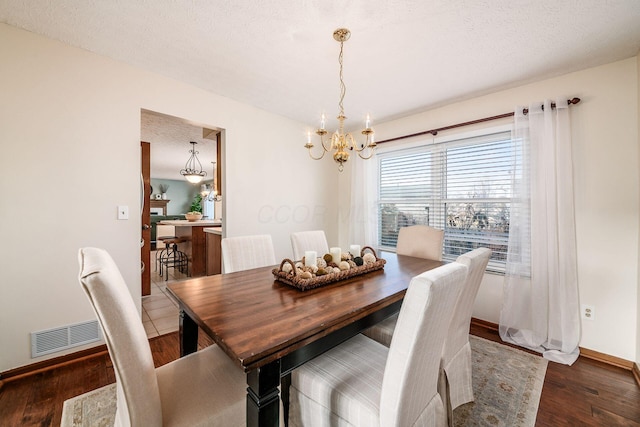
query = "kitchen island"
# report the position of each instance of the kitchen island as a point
(195, 244)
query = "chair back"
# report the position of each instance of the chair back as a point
(476, 260)
(409, 387)
(420, 241)
(456, 382)
(138, 395)
(247, 252)
(309, 241)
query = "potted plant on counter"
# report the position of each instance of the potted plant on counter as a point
(195, 213)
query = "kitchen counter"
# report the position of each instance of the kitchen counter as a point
(213, 230)
(200, 223)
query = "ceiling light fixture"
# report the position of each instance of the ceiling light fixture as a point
(209, 192)
(340, 142)
(190, 172)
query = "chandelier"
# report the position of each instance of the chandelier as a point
(341, 142)
(209, 192)
(190, 172)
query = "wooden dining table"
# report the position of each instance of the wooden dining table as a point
(269, 328)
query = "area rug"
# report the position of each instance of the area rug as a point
(96, 408)
(507, 384)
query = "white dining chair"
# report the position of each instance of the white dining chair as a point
(363, 383)
(455, 382)
(247, 252)
(204, 388)
(309, 241)
(420, 241)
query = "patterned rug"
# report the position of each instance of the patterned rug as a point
(506, 384)
(96, 408)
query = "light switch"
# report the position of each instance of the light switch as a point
(123, 212)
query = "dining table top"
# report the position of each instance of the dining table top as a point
(256, 319)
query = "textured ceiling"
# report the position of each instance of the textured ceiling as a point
(170, 139)
(403, 56)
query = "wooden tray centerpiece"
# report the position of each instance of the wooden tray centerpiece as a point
(326, 271)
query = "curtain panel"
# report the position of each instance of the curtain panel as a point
(540, 308)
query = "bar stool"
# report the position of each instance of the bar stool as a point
(162, 252)
(171, 257)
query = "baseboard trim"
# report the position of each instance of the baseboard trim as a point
(584, 352)
(485, 324)
(56, 362)
(606, 358)
(636, 373)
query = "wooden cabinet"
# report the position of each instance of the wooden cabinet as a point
(214, 254)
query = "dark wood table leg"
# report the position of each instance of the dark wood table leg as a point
(263, 400)
(188, 332)
(285, 384)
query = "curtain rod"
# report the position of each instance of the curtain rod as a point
(434, 132)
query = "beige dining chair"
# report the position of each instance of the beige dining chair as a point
(455, 385)
(420, 241)
(309, 241)
(363, 383)
(247, 252)
(203, 388)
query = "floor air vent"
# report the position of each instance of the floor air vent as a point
(58, 339)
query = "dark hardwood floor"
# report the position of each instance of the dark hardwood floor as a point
(589, 393)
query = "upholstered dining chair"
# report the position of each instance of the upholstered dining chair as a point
(203, 388)
(455, 385)
(455, 380)
(309, 241)
(363, 383)
(420, 241)
(247, 252)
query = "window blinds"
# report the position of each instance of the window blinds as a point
(462, 186)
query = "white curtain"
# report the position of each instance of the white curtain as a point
(540, 308)
(363, 209)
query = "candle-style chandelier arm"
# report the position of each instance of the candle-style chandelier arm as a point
(309, 145)
(369, 144)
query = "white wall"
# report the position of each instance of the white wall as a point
(605, 127)
(70, 136)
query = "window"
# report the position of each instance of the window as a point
(462, 186)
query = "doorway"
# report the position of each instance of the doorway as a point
(169, 140)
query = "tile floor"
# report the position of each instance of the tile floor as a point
(159, 309)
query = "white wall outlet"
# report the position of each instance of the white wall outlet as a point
(123, 212)
(588, 312)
